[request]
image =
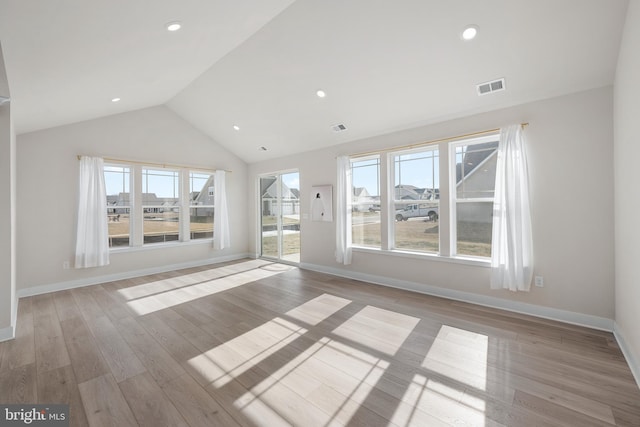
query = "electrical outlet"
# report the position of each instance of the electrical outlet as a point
(539, 281)
(66, 265)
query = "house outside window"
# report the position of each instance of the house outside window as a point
(474, 171)
(365, 225)
(201, 205)
(118, 186)
(160, 205)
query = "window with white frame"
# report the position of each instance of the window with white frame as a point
(160, 205)
(118, 188)
(153, 211)
(365, 223)
(201, 205)
(473, 173)
(416, 194)
(413, 201)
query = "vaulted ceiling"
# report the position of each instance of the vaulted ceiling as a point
(257, 64)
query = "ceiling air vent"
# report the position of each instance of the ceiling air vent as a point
(489, 87)
(339, 128)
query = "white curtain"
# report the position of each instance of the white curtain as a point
(512, 243)
(92, 237)
(221, 236)
(343, 210)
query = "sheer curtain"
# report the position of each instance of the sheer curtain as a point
(512, 243)
(343, 211)
(92, 237)
(221, 236)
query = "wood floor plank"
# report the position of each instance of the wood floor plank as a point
(51, 351)
(177, 346)
(104, 403)
(66, 306)
(149, 404)
(153, 356)
(122, 361)
(60, 386)
(21, 350)
(85, 355)
(195, 404)
(18, 385)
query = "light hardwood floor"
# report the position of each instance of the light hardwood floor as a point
(253, 343)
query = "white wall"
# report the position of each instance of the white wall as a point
(570, 159)
(47, 169)
(7, 213)
(627, 196)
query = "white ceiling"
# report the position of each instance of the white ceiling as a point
(385, 65)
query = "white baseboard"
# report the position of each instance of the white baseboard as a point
(632, 361)
(7, 333)
(71, 284)
(594, 322)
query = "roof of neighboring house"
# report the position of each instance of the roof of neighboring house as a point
(474, 157)
(360, 192)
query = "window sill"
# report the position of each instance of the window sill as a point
(478, 262)
(153, 246)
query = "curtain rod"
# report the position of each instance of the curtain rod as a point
(162, 165)
(434, 141)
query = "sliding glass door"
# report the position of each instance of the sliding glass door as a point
(280, 216)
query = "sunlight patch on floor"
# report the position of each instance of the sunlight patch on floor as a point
(317, 388)
(221, 364)
(318, 309)
(162, 299)
(380, 329)
(159, 286)
(429, 402)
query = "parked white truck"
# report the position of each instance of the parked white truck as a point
(417, 210)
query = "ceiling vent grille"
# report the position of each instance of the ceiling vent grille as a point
(339, 128)
(490, 87)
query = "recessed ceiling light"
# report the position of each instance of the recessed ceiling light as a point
(174, 26)
(115, 100)
(470, 32)
(321, 93)
(236, 127)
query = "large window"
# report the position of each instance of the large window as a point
(365, 228)
(201, 200)
(164, 205)
(416, 200)
(117, 181)
(475, 179)
(409, 215)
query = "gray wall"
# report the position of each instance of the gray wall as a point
(8, 302)
(627, 196)
(47, 192)
(570, 142)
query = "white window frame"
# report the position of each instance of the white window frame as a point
(136, 208)
(391, 177)
(187, 230)
(447, 202)
(453, 193)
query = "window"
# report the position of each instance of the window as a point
(201, 205)
(472, 197)
(164, 205)
(411, 208)
(117, 182)
(160, 205)
(416, 200)
(365, 226)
